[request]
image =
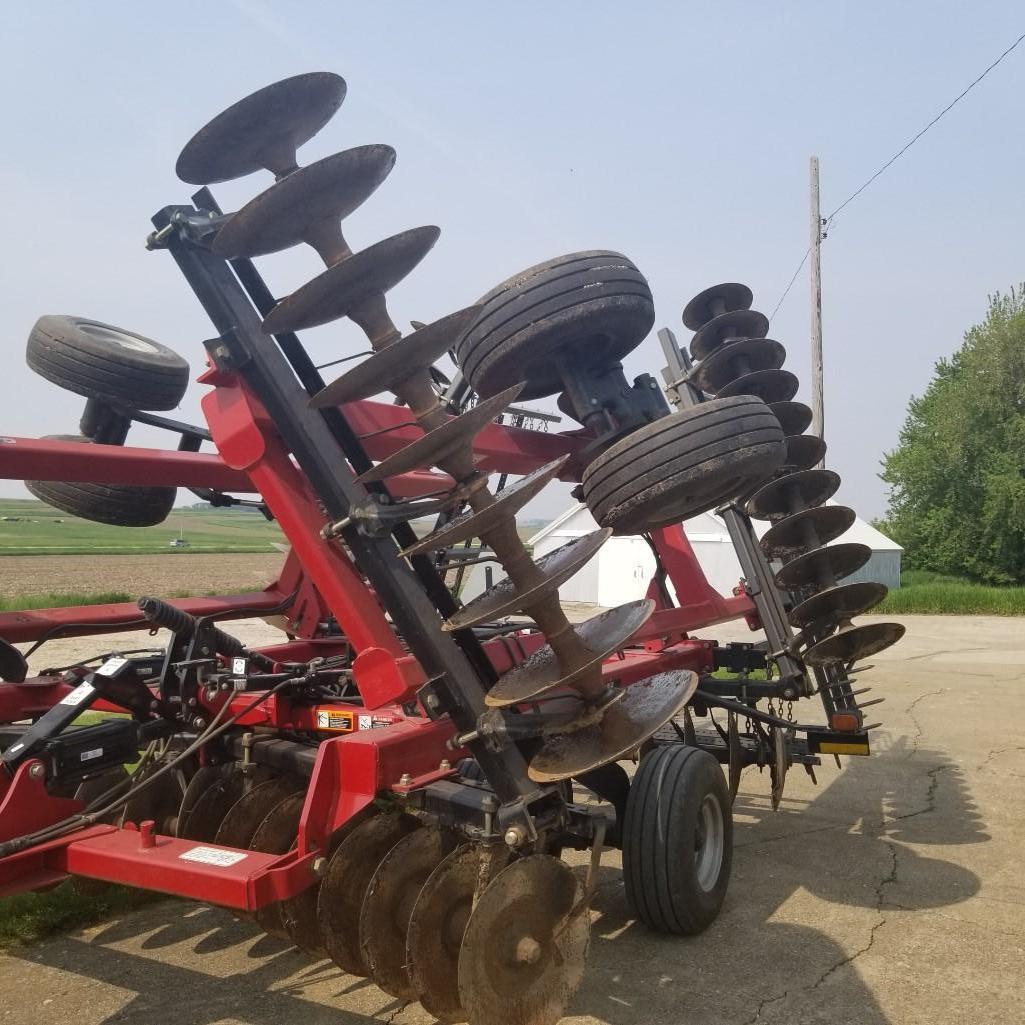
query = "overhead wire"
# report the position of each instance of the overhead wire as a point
(828, 219)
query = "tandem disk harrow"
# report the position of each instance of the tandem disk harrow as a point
(392, 786)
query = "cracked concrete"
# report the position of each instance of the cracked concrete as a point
(891, 894)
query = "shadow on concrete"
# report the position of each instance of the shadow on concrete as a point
(842, 854)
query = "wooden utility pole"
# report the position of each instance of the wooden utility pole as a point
(818, 425)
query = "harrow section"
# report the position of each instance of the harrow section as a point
(393, 785)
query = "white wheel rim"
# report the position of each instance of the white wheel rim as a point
(709, 843)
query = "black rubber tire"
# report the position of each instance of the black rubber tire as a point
(684, 464)
(122, 505)
(596, 303)
(659, 837)
(105, 362)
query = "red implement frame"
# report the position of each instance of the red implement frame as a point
(325, 583)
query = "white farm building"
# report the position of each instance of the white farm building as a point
(621, 570)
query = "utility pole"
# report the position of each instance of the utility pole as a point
(818, 425)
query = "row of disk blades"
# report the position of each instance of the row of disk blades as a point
(307, 204)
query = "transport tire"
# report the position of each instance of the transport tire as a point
(593, 307)
(677, 840)
(101, 361)
(122, 505)
(684, 464)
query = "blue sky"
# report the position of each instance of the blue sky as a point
(677, 133)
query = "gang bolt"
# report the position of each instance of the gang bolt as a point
(445, 765)
(319, 866)
(514, 836)
(38, 771)
(199, 723)
(405, 779)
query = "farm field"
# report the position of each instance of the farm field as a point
(31, 528)
(173, 575)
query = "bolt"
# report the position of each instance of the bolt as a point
(432, 702)
(528, 950)
(319, 866)
(405, 779)
(37, 771)
(515, 835)
(445, 765)
(199, 723)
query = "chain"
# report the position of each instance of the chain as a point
(790, 711)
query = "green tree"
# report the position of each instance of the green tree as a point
(957, 477)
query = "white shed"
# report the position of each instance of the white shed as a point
(621, 570)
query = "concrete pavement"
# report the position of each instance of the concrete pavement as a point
(890, 894)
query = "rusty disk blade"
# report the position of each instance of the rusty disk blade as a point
(350, 282)
(807, 529)
(792, 493)
(768, 385)
(384, 919)
(728, 327)
(556, 568)
(523, 951)
(345, 884)
(507, 503)
(277, 834)
(735, 752)
(794, 417)
(853, 643)
(438, 923)
(245, 815)
(824, 566)
(451, 437)
(601, 635)
(13, 666)
(645, 706)
(161, 800)
(299, 913)
(735, 359)
(778, 765)
(283, 215)
(397, 362)
(701, 309)
(841, 602)
(803, 452)
(209, 796)
(262, 130)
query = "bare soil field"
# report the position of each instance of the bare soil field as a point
(171, 574)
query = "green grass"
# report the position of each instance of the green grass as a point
(32, 528)
(923, 592)
(56, 600)
(28, 917)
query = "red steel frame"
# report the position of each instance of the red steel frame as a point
(404, 755)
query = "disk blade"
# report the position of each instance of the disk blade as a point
(644, 707)
(729, 296)
(853, 643)
(728, 327)
(793, 493)
(523, 951)
(806, 530)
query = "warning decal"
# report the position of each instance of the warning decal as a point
(332, 719)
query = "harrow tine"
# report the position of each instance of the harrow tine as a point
(454, 436)
(736, 754)
(779, 763)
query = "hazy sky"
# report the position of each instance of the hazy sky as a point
(677, 133)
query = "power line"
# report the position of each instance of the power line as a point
(826, 221)
(786, 291)
(953, 103)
